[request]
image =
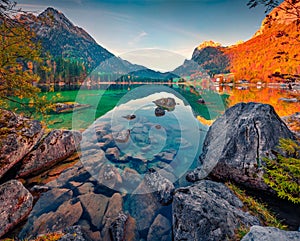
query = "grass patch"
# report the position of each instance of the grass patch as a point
(255, 208)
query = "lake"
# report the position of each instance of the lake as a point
(135, 150)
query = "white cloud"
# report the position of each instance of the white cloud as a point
(137, 38)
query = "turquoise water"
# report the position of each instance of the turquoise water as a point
(103, 100)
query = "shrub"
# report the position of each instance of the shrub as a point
(282, 174)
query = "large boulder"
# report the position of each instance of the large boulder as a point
(18, 135)
(15, 205)
(258, 233)
(236, 143)
(57, 146)
(208, 211)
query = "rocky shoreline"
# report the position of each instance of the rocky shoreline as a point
(76, 203)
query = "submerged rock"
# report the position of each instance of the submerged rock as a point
(129, 117)
(15, 205)
(66, 215)
(258, 233)
(57, 146)
(18, 135)
(160, 229)
(236, 143)
(208, 211)
(159, 111)
(143, 207)
(94, 205)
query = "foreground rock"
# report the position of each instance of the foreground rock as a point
(236, 143)
(15, 205)
(18, 135)
(57, 146)
(74, 233)
(208, 211)
(258, 233)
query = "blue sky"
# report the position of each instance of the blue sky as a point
(174, 25)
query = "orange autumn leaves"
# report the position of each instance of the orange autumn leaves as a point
(267, 96)
(277, 50)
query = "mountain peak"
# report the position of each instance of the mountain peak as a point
(50, 11)
(55, 16)
(209, 43)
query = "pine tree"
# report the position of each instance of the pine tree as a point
(282, 174)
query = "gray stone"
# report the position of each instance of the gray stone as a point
(208, 211)
(109, 176)
(18, 135)
(15, 205)
(74, 233)
(166, 103)
(160, 227)
(57, 146)
(236, 143)
(160, 185)
(258, 233)
(118, 227)
(123, 228)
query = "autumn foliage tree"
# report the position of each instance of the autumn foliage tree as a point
(284, 22)
(18, 54)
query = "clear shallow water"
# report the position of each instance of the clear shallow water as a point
(117, 155)
(147, 141)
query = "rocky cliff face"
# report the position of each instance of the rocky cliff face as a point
(211, 58)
